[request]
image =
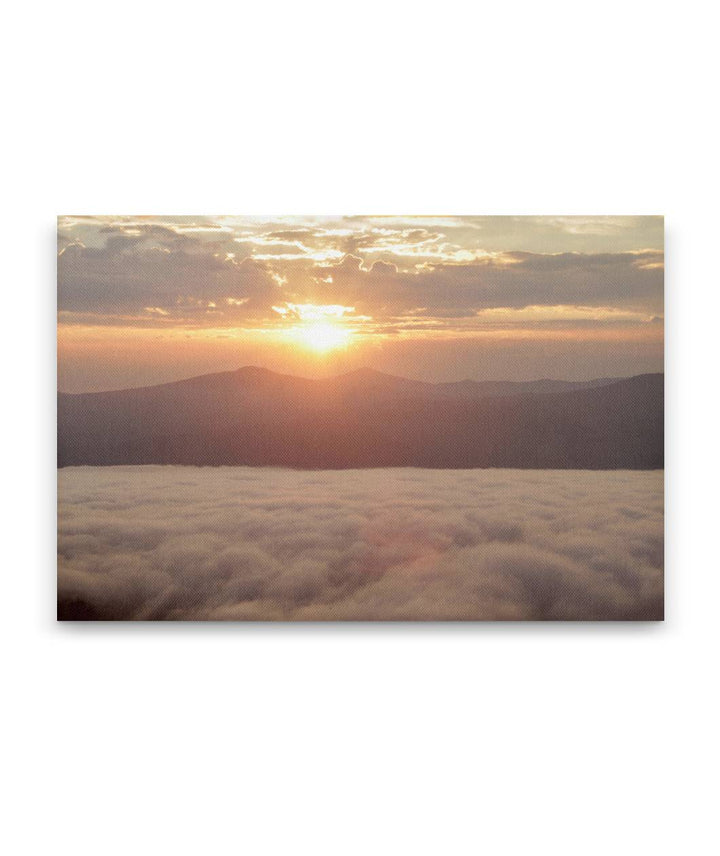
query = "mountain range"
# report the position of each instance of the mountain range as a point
(365, 418)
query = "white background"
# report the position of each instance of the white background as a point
(359, 739)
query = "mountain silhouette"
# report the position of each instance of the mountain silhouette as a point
(365, 418)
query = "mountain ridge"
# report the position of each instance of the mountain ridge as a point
(365, 372)
(253, 416)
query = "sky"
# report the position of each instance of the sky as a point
(150, 299)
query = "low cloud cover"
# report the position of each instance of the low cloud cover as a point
(140, 543)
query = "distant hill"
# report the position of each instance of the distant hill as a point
(367, 419)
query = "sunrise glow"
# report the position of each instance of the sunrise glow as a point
(321, 336)
(320, 327)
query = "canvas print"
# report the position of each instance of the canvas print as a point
(363, 418)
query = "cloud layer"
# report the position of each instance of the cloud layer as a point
(219, 272)
(242, 543)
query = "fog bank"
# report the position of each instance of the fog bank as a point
(246, 543)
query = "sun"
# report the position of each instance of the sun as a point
(322, 336)
(320, 328)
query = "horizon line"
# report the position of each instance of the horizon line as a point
(368, 370)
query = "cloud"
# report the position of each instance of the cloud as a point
(178, 274)
(509, 280)
(112, 268)
(243, 543)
